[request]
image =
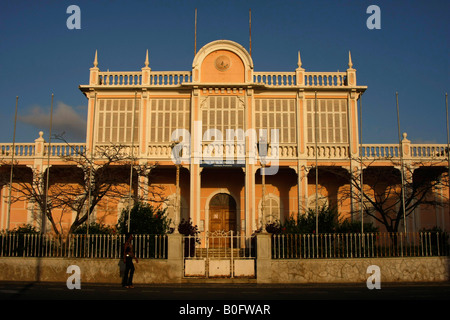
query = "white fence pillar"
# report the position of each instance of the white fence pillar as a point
(263, 257)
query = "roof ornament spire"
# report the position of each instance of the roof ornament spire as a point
(350, 63)
(95, 60)
(299, 61)
(146, 59)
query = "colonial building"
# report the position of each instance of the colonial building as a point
(212, 131)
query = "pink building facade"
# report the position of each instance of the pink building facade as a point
(223, 115)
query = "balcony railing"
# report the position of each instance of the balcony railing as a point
(325, 79)
(275, 79)
(170, 78)
(118, 78)
(158, 78)
(282, 151)
(328, 151)
(376, 151)
(177, 78)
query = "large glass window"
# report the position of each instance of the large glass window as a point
(222, 113)
(331, 123)
(166, 116)
(277, 114)
(115, 121)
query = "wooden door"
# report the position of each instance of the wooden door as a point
(222, 218)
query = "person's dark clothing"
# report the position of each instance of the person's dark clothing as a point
(127, 280)
(129, 272)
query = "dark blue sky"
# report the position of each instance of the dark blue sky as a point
(39, 55)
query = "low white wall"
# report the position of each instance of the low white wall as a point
(92, 270)
(420, 269)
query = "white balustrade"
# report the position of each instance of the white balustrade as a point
(289, 79)
(64, 149)
(233, 150)
(111, 78)
(283, 151)
(429, 151)
(380, 151)
(328, 151)
(169, 78)
(159, 151)
(123, 151)
(158, 78)
(176, 78)
(20, 149)
(325, 79)
(276, 79)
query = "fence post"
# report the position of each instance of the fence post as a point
(263, 258)
(175, 254)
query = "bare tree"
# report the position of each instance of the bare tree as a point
(382, 196)
(84, 182)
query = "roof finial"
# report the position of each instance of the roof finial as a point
(299, 62)
(146, 59)
(95, 60)
(350, 63)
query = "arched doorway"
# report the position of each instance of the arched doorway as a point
(222, 213)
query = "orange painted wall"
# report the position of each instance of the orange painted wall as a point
(234, 74)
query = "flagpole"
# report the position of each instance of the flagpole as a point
(401, 162)
(448, 143)
(13, 151)
(349, 137)
(317, 169)
(195, 33)
(90, 165)
(43, 228)
(250, 31)
(361, 164)
(131, 164)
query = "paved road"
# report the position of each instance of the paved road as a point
(220, 291)
(279, 298)
(224, 291)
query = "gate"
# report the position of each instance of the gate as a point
(219, 255)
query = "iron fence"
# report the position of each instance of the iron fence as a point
(284, 246)
(145, 246)
(360, 245)
(220, 245)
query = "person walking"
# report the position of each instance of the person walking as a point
(128, 257)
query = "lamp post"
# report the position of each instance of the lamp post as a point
(177, 154)
(263, 148)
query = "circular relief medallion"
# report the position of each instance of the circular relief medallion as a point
(222, 63)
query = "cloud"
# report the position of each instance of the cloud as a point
(65, 119)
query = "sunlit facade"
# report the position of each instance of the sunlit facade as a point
(222, 114)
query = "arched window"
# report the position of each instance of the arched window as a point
(171, 208)
(272, 208)
(321, 201)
